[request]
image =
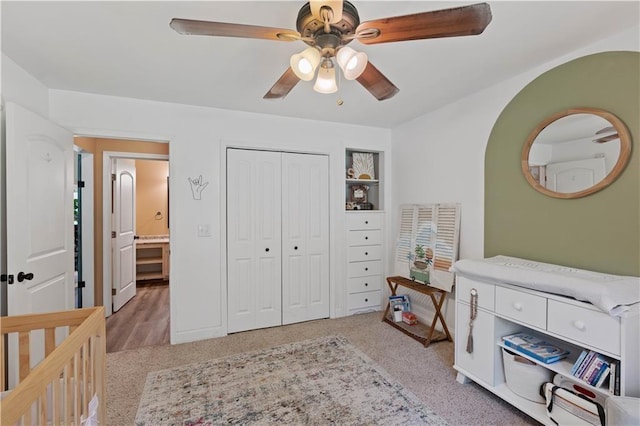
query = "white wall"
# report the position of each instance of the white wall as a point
(197, 141)
(439, 157)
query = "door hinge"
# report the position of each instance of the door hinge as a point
(113, 292)
(80, 184)
(82, 284)
(113, 177)
(6, 278)
(113, 234)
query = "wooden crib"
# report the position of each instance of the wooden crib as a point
(59, 389)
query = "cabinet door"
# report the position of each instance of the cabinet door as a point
(253, 239)
(479, 363)
(305, 237)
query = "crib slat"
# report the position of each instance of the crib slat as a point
(42, 417)
(56, 401)
(68, 392)
(24, 355)
(85, 378)
(2, 378)
(49, 340)
(76, 387)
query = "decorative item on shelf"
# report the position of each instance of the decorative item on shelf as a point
(359, 193)
(363, 165)
(351, 174)
(419, 264)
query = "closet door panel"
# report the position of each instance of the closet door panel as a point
(305, 237)
(253, 239)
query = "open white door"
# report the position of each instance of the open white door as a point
(123, 231)
(40, 244)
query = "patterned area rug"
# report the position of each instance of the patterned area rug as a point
(318, 381)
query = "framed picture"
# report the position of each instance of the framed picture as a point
(359, 193)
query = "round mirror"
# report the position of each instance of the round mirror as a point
(576, 152)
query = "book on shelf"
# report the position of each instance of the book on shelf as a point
(401, 301)
(535, 347)
(591, 367)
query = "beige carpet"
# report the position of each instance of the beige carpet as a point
(427, 372)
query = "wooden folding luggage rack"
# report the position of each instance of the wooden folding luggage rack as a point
(421, 332)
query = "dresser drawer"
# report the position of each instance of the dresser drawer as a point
(360, 284)
(364, 269)
(586, 326)
(357, 254)
(369, 299)
(361, 221)
(486, 292)
(523, 307)
(365, 238)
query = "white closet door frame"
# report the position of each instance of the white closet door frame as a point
(254, 290)
(305, 237)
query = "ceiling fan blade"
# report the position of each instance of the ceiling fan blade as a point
(223, 29)
(458, 21)
(376, 83)
(283, 86)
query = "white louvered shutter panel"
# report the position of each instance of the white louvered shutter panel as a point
(445, 251)
(424, 229)
(404, 243)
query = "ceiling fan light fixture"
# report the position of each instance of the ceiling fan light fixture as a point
(304, 64)
(351, 63)
(335, 6)
(326, 81)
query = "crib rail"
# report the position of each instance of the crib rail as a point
(59, 388)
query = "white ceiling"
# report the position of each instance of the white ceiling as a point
(127, 49)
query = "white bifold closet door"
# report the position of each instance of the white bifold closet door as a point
(277, 238)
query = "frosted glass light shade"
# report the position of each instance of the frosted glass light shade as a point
(326, 81)
(351, 62)
(304, 64)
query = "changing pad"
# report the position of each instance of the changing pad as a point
(613, 294)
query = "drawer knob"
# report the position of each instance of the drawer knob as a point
(366, 222)
(517, 306)
(267, 249)
(366, 238)
(580, 325)
(295, 248)
(366, 269)
(366, 284)
(366, 300)
(366, 253)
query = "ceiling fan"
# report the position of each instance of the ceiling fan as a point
(327, 26)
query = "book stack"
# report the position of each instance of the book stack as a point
(592, 368)
(535, 347)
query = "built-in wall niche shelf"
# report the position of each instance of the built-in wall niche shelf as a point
(152, 258)
(363, 176)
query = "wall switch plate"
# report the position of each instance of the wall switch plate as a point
(204, 230)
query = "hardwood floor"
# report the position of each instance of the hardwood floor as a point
(143, 321)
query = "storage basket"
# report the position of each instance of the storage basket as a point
(524, 377)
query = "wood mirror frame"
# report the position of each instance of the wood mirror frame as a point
(623, 157)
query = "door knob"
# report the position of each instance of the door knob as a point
(22, 276)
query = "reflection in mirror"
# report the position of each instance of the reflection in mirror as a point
(576, 153)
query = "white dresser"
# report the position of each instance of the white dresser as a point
(505, 309)
(364, 261)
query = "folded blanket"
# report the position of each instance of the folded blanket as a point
(613, 294)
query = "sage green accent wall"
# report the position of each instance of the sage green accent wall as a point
(599, 232)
